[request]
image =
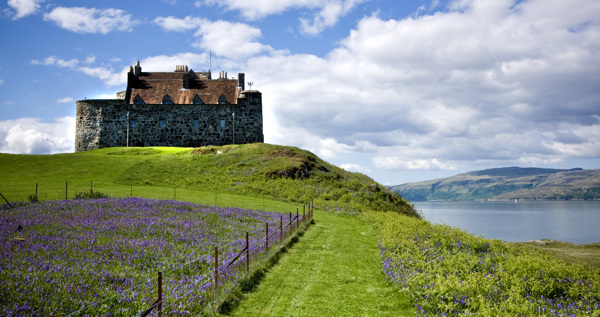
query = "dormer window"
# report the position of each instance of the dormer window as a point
(166, 100)
(137, 100)
(197, 100)
(223, 100)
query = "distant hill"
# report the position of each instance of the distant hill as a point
(507, 183)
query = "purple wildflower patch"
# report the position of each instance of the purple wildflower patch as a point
(101, 256)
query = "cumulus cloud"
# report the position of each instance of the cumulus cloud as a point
(90, 20)
(324, 13)
(228, 39)
(108, 75)
(480, 81)
(32, 136)
(24, 8)
(64, 100)
(353, 167)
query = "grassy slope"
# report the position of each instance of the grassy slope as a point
(335, 266)
(256, 170)
(248, 176)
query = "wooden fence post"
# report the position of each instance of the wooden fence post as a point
(297, 220)
(280, 229)
(36, 187)
(267, 240)
(216, 277)
(66, 190)
(247, 255)
(160, 298)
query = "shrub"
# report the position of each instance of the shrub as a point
(91, 195)
(451, 272)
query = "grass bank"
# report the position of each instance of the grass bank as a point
(260, 171)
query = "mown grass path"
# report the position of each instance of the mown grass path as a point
(334, 270)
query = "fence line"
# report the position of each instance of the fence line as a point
(221, 280)
(34, 192)
(217, 282)
(262, 246)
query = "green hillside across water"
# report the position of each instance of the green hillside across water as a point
(507, 184)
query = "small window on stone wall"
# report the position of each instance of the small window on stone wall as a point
(167, 100)
(197, 100)
(133, 123)
(222, 123)
(138, 100)
(196, 123)
(162, 123)
(223, 100)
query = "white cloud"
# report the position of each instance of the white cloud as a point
(112, 77)
(56, 61)
(392, 163)
(1, 82)
(480, 82)
(108, 75)
(228, 39)
(91, 20)
(324, 13)
(328, 16)
(32, 136)
(64, 100)
(352, 167)
(24, 8)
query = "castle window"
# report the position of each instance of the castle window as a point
(197, 100)
(223, 100)
(163, 123)
(138, 100)
(222, 123)
(167, 100)
(133, 123)
(196, 123)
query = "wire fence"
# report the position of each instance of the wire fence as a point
(211, 282)
(57, 190)
(226, 273)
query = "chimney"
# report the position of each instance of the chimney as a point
(138, 70)
(241, 81)
(186, 81)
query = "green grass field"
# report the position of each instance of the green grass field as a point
(337, 267)
(334, 270)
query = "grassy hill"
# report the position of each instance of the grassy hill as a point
(507, 183)
(336, 267)
(256, 170)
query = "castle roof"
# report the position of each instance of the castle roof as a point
(181, 87)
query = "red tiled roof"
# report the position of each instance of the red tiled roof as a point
(152, 87)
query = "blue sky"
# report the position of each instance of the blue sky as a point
(399, 90)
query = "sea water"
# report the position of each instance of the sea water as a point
(518, 221)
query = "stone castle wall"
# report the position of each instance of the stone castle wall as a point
(104, 123)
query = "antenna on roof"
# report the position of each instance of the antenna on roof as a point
(209, 60)
(250, 83)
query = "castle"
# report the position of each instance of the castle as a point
(181, 108)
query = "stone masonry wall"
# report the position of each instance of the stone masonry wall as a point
(103, 123)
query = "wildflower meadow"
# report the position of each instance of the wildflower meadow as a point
(101, 256)
(449, 272)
